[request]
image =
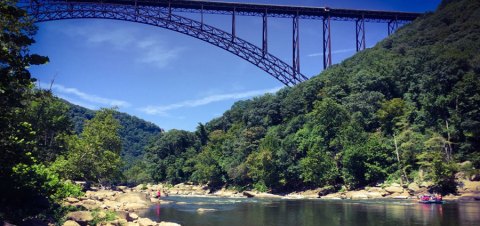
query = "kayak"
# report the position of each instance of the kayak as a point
(432, 202)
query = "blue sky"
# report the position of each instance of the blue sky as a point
(176, 81)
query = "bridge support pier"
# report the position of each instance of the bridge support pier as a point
(296, 45)
(392, 26)
(201, 18)
(233, 25)
(265, 34)
(327, 43)
(360, 33)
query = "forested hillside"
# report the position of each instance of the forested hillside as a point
(405, 110)
(134, 132)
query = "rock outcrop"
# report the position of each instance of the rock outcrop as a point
(80, 217)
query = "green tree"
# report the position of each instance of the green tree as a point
(436, 164)
(49, 118)
(368, 163)
(207, 169)
(95, 154)
(318, 169)
(29, 189)
(262, 164)
(167, 155)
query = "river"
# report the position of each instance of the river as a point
(278, 212)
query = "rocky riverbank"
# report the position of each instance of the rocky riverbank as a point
(126, 202)
(467, 190)
(122, 203)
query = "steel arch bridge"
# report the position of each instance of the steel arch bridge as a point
(159, 13)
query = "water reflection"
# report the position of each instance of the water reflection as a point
(246, 212)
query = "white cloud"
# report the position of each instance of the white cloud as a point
(163, 109)
(333, 52)
(77, 102)
(66, 92)
(147, 49)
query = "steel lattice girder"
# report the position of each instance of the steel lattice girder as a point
(162, 17)
(253, 9)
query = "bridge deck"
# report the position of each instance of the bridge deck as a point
(251, 9)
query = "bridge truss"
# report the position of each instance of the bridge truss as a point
(160, 13)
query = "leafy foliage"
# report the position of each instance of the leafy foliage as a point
(29, 188)
(371, 118)
(95, 154)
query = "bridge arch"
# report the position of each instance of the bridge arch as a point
(43, 11)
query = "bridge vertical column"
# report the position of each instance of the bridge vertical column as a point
(296, 45)
(392, 26)
(233, 24)
(169, 11)
(201, 18)
(136, 10)
(360, 33)
(265, 34)
(327, 43)
(34, 7)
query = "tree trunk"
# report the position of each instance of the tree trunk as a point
(449, 151)
(404, 176)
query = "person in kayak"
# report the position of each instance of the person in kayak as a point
(438, 197)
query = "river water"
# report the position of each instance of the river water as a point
(278, 212)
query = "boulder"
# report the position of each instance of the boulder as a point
(134, 206)
(122, 188)
(249, 194)
(70, 223)
(359, 196)
(413, 187)
(90, 204)
(81, 217)
(122, 221)
(146, 222)
(132, 216)
(111, 204)
(375, 195)
(356, 194)
(374, 189)
(324, 191)
(394, 189)
(72, 200)
(132, 224)
(133, 197)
